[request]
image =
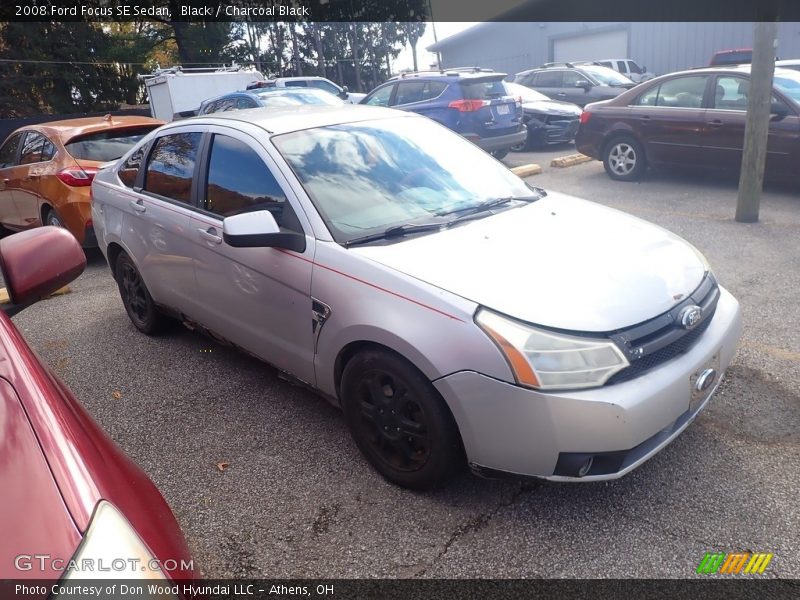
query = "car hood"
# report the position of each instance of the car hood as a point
(551, 107)
(560, 262)
(34, 519)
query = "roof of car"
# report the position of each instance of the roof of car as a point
(296, 118)
(70, 128)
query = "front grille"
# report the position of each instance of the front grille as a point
(658, 340)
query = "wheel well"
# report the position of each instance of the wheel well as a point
(113, 252)
(46, 208)
(353, 348)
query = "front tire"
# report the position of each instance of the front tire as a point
(399, 421)
(624, 159)
(499, 154)
(136, 298)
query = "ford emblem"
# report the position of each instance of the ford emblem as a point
(691, 316)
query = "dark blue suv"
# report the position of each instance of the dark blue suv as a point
(472, 102)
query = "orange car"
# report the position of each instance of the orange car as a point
(46, 170)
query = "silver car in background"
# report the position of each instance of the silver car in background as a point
(452, 310)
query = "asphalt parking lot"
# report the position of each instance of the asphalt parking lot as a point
(266, 482)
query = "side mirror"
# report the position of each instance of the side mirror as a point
(778, 109)
(37, 262)
(258, 229)
(583, 83)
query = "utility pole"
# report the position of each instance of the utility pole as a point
(756, 133)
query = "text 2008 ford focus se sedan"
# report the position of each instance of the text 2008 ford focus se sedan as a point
(452, 310)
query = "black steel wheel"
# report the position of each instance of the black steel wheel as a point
(137, 300)
(399, 421)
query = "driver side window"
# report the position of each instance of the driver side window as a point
(238, 181)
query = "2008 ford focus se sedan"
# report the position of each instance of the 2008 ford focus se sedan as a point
(454, 312)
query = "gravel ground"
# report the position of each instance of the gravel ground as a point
(297, 499)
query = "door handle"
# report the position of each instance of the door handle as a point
(4, 183)
(138, 206)
(715, 123)
(561, 95)
(30, 178)
(210, 235)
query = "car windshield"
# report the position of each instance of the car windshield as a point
(607, 76)
(295, 96)
(788, 82)
(367, 177)
(525, 93)
(107, 145)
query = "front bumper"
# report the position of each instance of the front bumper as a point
(557, 131)
(517, 431)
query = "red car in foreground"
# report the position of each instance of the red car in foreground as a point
(68, 492)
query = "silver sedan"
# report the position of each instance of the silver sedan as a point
(454, 312)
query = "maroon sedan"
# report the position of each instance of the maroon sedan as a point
(70, 495)
(691, 118)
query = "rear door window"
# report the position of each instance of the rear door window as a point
(32, 148)
(8, 152)
(239, 181)
(548, 79)
(681, 92)
(409, 92)
(130, 168)
(170, 168)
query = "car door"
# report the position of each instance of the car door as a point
(27, 196)
(723, 134)
(549, 83)
(669, 118)
(258, 298)
(156, 227)
(570, 92)
(9, 179)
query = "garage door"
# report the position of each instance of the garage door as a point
(592, 46)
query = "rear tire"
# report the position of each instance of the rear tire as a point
(136, 298)
(624, 159)
(51, 218)
(399, 421)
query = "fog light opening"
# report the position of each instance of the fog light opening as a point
(586, 467)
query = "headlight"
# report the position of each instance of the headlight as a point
(546, 360)
(111, 549)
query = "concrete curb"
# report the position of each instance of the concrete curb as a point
(4, 299)
(526, 170)
(570, 160)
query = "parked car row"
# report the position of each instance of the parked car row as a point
(691, 118)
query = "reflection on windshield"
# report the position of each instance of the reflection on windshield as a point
(365, 177)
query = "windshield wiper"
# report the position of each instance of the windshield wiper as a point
(396, 231)
(471, 212)
(491, 203)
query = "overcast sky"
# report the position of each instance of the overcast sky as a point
(425, 58)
